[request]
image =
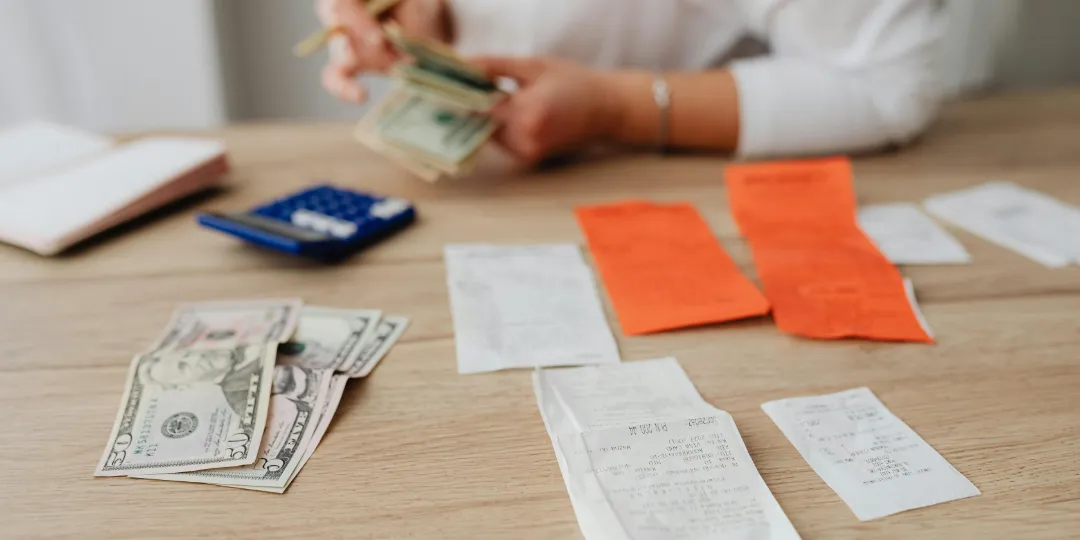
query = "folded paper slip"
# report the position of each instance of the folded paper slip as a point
(824, 277)
(664, 269)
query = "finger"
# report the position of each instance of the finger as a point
(363, 30)
(421, 18)
(519, 144)
(342, 84)
(523, 69)
(364, 58)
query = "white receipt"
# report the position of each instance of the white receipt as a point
(905, 235)
(525, 306)
(876, 463)
(1028, 222)
(644, 456)
(909, 290)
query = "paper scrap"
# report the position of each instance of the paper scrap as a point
(824, 277)
(643, 456)
(663, 268)
(1034, 225)
(876, 463)
(907, 236)
(525, 306)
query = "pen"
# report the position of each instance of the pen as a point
(316, 41)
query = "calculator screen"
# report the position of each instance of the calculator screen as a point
(276, 227)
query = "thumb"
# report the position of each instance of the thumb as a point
(525, 70)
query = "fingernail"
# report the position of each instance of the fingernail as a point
(373, 39)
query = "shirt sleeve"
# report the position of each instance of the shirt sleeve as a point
(491, 27)
(844, 75)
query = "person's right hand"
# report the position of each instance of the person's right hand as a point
(364, 47)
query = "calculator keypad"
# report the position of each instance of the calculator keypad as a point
(334, 211)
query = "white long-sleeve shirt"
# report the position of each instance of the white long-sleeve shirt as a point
(841, 75)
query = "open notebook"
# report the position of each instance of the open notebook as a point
(59, 185)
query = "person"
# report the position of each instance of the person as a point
(840, 76)
(229, 369)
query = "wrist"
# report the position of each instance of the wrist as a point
(631, 115)
(612, 106)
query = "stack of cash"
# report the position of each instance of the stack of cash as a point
(240, 394)
(437, 117)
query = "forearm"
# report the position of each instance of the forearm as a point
(703, 113)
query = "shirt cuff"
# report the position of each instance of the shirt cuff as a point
(488, 27)
(792, 107)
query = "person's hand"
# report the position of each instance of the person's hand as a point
(364, 47)
(558, 106)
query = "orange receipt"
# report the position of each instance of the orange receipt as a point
(823, 276)
(663, 268)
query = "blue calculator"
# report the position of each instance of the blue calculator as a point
(323, 222)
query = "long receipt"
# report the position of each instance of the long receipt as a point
(525, 306)
(643, 456)
(905, 235)
(1028, 222)
(876, 463)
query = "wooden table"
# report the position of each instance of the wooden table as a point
(417, 451)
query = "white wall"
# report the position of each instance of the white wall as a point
(264, 78)
(110, 65)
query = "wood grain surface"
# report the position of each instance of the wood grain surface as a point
(417, 451)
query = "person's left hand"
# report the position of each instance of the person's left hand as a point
(558, 106)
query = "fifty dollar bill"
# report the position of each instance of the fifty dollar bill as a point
(190, 410)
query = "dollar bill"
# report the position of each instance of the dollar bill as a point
(329, 338)
(297, 400)
(223, 325)
(439, 60)
(193, 409)
(365, 134)
(330, 406)
(434, 130)
(390, 330)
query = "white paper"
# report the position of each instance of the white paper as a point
(29, 150)
(57, 209)
(593, 398)
(905, 235)
(909, 290)
(525, 306)
(688, 479)
(596, 399)
(1028, 222)
(876, 463)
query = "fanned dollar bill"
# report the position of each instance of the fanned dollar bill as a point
(186, 410)
(297, 400)
(218, 325)
(330, 406)
(329, 338)
(431, 133)
(437, 119)
(390, 330)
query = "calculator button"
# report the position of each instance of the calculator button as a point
(388, 208)
(323, 223)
